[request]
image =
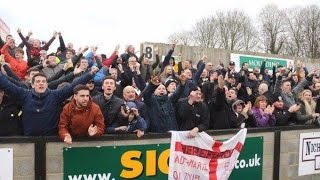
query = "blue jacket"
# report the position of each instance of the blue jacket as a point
(103, 72)
(137, 123)
(41, 111)
(90, 58)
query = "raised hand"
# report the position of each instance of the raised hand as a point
(30, 33)
(117, 47)
(204, 58)
(220, 82)
(79, 50)
(84, 49)
(94, 48)
(173, 45)
(94, 69)
(156, 50)
(313, 72)
(183, 79)
(18, 30)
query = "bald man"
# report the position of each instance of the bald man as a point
(129, 95)
(263, 89)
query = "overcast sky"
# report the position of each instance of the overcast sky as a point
(107, 23)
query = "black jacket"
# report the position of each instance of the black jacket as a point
(109, 108)
(10, 121)
(208, 90)
(191, 116)
(283, 116)
(220, 111)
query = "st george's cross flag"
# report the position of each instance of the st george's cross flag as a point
(202, 158)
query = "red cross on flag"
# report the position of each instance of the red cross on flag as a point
(202, 158)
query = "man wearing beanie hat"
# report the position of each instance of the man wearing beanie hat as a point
(171, 85)
(192, 114)
(283, 115)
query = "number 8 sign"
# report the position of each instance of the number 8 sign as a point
(148, 51)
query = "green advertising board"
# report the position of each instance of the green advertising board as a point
(250, 161)
(146, 162)
(257, 61)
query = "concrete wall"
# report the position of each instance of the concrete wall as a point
(215, 55)
(23, 155)
(289, 157)
(23, 160)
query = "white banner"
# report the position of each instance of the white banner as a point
(6, 163)
(202, 158)
(309, 153)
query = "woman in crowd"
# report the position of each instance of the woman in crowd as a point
(262, 113)
(307, 114)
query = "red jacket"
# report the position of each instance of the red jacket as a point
(20, 67)
(109, 60)
(76, 121)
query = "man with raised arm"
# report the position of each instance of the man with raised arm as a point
(40, 105)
